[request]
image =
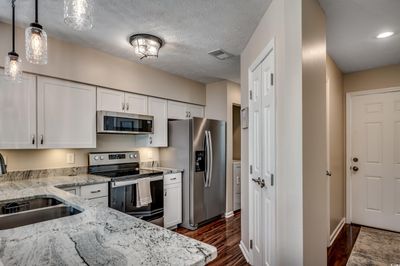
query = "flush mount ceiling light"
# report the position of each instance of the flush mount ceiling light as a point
(12, 65)
(78, 14)
(36, 41)
(146, 45)
(384, 35)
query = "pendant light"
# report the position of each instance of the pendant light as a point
(146, 45)
(13, 65)
(78, 14)
(36, 41)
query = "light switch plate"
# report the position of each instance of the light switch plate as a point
(71, 158)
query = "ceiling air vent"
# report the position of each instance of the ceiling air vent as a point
(220, 54)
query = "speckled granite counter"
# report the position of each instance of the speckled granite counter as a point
(97, 236)
(165, 170)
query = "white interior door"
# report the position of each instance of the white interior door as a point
(262, 161)
(375, 160)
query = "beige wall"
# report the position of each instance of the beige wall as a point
(86, 65)
(378, 78)
(314, 134)
(336, 144)
(220, 98)
(281, 23)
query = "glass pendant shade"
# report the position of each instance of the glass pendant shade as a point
(13, 67)
(36, 44)
(78, 14)
(146, 45)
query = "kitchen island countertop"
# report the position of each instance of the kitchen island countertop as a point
(97, 236)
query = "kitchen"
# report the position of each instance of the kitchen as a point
(82, 133)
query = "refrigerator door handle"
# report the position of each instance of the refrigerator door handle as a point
(211, 158)
(207, 158)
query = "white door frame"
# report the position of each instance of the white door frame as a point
(349, 96)
(260, 58)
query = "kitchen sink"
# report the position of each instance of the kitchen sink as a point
(22, 212)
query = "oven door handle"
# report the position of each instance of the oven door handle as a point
(128, 182)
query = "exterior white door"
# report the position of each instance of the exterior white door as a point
(66, 114)
(135, 104)
(262, 161)
(18, 113)
(375, 160)
(110, 100)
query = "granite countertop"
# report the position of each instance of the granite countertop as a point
(97, 236)
(165, 170)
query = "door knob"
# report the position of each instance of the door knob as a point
(354, 168)
(355, 159)
(256, 180)
(262, 183)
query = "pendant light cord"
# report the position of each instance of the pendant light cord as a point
(36, 12)
(13, 26)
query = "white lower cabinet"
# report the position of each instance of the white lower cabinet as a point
(97, 193)
(172, 200)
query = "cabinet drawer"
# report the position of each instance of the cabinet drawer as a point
(172, 179)
(102, 202)
(73, 190)
(94, 191)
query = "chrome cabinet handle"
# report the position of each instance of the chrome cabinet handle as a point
(33, 139)
(151, 139)
(127, 106)
(41, 139)
(123, 106)
(173, 178)
(96, 191)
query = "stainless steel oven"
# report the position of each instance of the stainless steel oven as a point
(123, 169)
(124, 123)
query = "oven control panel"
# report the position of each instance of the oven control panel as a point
(105, 158)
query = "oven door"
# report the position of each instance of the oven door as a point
(123, 198)
(123, 123)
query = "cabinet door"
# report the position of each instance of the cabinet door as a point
(66, 114)
(195, 110)
(135, 104)
(172, 205)
(18, 113)
(110, 100)
(158, 109)
(177, 110)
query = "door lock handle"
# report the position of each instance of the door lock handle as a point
(262, 183)
(258, 181)
(355, 168)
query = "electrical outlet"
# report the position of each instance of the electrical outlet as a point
(71, 158)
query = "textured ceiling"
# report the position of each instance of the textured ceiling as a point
(190, 28)
(352, 28)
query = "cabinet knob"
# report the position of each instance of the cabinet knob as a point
(33, 139)
(41, 139)
(123, 106)
(127, 106)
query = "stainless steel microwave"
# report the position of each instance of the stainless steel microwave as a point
(123, 123)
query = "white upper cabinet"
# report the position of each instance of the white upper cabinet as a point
(178, 110)
(66, 114)
(136, 104)
(159, 109)
(110, 100)
(18, 113)
(195, 110)
(118, 101)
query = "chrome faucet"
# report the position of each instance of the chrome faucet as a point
(3, 166)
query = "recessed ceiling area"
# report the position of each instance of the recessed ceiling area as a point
(190, 29)
(352, 28)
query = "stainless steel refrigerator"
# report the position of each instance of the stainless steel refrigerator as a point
(198, 146)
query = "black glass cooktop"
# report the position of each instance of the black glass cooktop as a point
(122, 171)
(133, 172)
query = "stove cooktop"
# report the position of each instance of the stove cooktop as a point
(133, 173)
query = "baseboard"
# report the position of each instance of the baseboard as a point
(229, 214)
(245, 252)
(336, 232)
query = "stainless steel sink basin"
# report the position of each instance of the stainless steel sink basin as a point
(22, 212)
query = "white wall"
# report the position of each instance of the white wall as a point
(282, 21)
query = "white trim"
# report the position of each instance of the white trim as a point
(336, 232)
(245, 252)
(264, 53)
(349, 96)
(229, 214)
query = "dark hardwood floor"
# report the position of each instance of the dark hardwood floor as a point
(340, 251)
(223, 234)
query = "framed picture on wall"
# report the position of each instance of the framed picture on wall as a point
(245, 118)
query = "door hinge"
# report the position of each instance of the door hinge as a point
(272, 79)
(272, 179)
(251, 244)
(251, 95)
(251, 169)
